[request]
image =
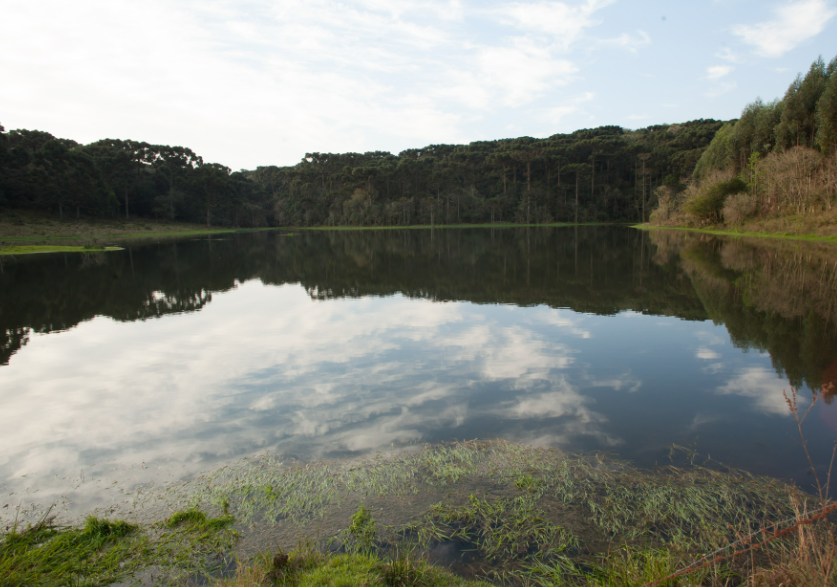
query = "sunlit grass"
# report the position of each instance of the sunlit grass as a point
(102, 552)
(736, 233)
(31, 249)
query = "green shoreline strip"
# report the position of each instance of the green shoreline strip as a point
(136, 235)
(34, 249)
(735, 233)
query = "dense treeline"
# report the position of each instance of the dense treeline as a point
(779, 158)
(603, 174)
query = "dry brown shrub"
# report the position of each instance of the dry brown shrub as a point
(797, 180)
(738, 208)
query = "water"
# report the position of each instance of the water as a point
(169, 358)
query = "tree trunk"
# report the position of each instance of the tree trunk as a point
(576, 195)
(593, 180)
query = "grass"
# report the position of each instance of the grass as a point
(447, 226)
(519, 515)
(307, 567)
(32, 249)
(523, 514)
(737, 233)
(102, 552)
(39, 228)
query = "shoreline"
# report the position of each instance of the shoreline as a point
(586, 517)
(742, 234)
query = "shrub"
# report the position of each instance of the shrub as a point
(738, 208)
(709, 204)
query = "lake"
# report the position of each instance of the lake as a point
(169, 358)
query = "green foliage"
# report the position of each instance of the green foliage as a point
(636, 567)
(709, 204)
(194, 520)
(827, 115)
(351, 570)
(720, 153)
(362, 532)
(805, 116)
(511, 180)
(100, 553)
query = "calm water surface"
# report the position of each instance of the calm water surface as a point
(174, 357)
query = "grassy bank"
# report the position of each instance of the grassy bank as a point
(186, 545)
(449, 226)
(29, 228)
(32, 249)
(757, 231)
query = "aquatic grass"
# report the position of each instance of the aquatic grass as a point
(506, 534)
(99, 553)
(525, 513)
(102, 552)
(310, 568)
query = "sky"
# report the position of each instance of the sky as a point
(260, 82)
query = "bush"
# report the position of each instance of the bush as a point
(738, 208)
(709, 204)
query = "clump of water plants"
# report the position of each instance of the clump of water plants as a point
(362, 532)
(102, 552)
(308, 567)
(99, 553)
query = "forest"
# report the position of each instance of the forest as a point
(591, 175)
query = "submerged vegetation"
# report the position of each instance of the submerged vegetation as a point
(102, 552)
(503, 513)
(490, 511)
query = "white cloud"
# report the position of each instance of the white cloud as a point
(707, 354)
(792, 24)
(522, 71)
(762, 386)
(564, 23)
(727, 55)
(718, 71)
(266, 82)
(720, 89)
(571, 106)
(627, 41)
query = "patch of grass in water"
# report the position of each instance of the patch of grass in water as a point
(535, 514)
(103, 552)
(196, 520)
(307, 567)
(100, 553)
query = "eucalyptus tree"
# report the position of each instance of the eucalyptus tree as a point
(827, 113)
(798, 125)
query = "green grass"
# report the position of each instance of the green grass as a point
(447, 226)
(103, 552)
(526, 513)
(736, 233)
(32, 249)
(139, 235)
(307, 567)
(100, 553)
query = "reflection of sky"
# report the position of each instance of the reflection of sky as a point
(267, 368)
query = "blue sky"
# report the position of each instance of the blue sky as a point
(263, 82)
